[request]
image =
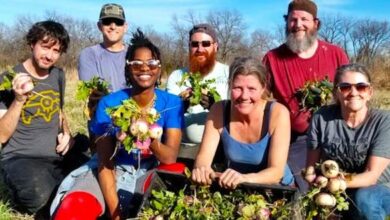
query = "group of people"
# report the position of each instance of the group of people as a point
(263, 140)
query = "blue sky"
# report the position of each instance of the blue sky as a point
(263, 14)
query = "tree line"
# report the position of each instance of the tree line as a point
(366, 41)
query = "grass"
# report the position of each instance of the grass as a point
(77, 123)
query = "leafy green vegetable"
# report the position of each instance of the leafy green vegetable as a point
(85, 88)
(6, 84)
(200, 202)
(315, 94)
(194, 81)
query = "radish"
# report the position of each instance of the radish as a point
(143, 145)
(325, 200)
(330, 168)
(321, 181)
(155, 131)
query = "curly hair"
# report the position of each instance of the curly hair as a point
(139, 40)
(48, 30)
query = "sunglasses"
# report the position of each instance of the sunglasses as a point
(137, 64)
(347, 87)
(205, 43)
(108, 21)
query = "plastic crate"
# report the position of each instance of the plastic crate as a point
(175, 182)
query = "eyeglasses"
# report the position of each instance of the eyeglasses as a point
(347, 87)
(108, 21)
(205, 43)
(137, 64)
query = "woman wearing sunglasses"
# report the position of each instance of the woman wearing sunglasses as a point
(357, 137)
(113, 178)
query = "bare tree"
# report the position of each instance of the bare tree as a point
(368, 36)
(230, 28)
(261, 42)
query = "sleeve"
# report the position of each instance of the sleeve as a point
(267, 66)
(381, 140)
(314, 132)
(87, 66)
(101, 123)
(172, 81)
(174, 117)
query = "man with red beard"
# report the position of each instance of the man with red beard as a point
(303, 57)
(203, 47)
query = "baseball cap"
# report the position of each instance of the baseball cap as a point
(204, 28)
(112, 10)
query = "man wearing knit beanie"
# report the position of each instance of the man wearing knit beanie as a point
(303, 57)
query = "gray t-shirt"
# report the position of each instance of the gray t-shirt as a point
(98, 61)
(38, 126)
(351, 147)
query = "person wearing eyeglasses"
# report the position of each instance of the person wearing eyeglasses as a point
(302, 58)
(110, 181)
(203, 47)
(357, 137)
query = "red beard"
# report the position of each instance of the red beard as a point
(202, 66)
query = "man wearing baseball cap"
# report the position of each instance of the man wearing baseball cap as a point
(203, 47)
(303, 57)
(107, 59)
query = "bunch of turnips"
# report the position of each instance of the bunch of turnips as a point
(139, 124)
(327, 190)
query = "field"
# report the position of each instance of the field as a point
(77, 121)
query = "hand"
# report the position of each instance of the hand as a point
(185, 96)
(120, 136)
(65, 142)
(230, 179)
(93, 100)
(207, 101)
(22, 85)
(203, 175)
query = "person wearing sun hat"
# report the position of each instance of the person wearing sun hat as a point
(303, 57)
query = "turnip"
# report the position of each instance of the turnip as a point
(155, 131)
(143, 144)
(310, 178)
(153, 112)
(330, 168)
(27, 86)
(321, 181)
(336, 185)
(142, 127)
(325, 200)
(309, 174)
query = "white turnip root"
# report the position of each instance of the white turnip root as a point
(330, 168)
(336, 185)
(321, 181)
(309, 174)
(325, 200)
(155, 131)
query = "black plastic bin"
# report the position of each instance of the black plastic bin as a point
(175, 182)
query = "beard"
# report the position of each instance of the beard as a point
(202, 66)
(297, 45)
